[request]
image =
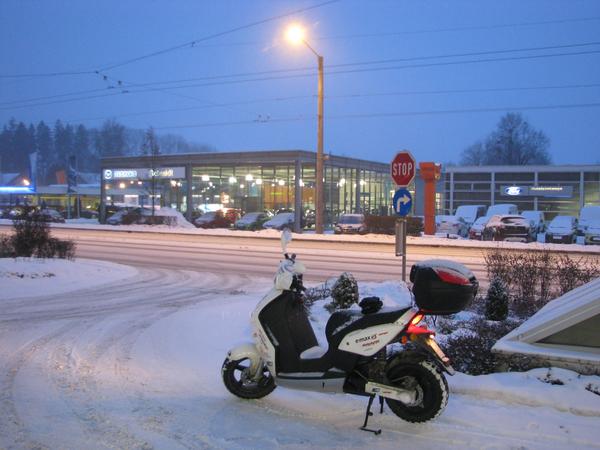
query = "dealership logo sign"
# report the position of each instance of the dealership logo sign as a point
(108, 174)
(513, 190)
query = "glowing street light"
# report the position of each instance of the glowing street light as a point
(296, 34)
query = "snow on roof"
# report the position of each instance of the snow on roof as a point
(564, 312)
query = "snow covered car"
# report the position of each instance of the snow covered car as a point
(251, 221)
(280, 221)
(214, 219)
(507, 228)
(537, 222)
(504, 209)
(587, 216)
(49, 215)
(562, 229)
(451, 226)
(592, 232)
(476, 230)
(470, 213)
(117, 217)
(350, 223)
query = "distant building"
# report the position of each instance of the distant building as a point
(561, 189)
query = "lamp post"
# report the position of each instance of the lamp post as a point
(295, 34)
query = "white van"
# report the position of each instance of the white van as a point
(470, 213)
(504, 209)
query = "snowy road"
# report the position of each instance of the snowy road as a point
(136, 364)
(257, 256)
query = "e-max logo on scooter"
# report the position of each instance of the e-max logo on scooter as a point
(366, 338)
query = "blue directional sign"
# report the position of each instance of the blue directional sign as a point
(402, 202)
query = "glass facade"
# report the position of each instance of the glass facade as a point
(253, 181)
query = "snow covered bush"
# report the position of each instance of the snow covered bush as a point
(6, 248)
(31, 237)
(344, 292)
(534, 278)
(496, 304)
(469, 347)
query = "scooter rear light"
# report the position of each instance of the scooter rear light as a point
(452, 277)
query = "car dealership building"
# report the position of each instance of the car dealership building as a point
(555, 190)
(249, 181)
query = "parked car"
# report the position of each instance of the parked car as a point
(117, 217)
(470, 213)
(476, 230)
(451, 226)
(507, 228)
(562, 229)
(536, 219)
(587, 216)
(592, 233)
(251, 221)
(214, 219)
(505, 209)
(350, 223)
(280, 221)
(49, 215)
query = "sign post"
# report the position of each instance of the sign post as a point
(402, 170)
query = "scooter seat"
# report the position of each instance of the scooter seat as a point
(343, 322)
(313, 352)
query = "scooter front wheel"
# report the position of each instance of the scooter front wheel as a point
(428, 385)
(239, 381)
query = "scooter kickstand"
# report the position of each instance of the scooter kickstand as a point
(367, 415)
(380, 404)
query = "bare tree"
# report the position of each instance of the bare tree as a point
(514, 142)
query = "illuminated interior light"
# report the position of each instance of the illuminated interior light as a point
(26, 182)
(205, 178)
(342, 181)
(362, 182)
(281, 182)
(259, 181)
(122, 185)
(232, 180)
(249, 177)
(242, 186)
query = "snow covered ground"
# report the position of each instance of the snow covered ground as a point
(135, 363)
(433, 241)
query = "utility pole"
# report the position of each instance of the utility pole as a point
(320, 210)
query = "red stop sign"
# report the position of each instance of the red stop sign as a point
(403, 168)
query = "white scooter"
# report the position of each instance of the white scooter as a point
(360, 358)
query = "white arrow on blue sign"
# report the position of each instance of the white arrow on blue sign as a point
(402, 202)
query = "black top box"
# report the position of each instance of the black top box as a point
(442, 287)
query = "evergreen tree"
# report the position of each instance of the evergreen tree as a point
(81, 148)
(111, 140)
(496, 303)
(23, 144)
(43, 145)
(344, 292)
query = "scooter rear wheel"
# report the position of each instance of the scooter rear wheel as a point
(429, 386)
(238, 381)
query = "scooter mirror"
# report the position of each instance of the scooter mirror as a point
(286, 238)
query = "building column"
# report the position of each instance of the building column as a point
(493, 186)
(102, 212)
(581, 190)
(451, 193)
(189, 201)
(297, 197)
(535, 183)
(357, 191)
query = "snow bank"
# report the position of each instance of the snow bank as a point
(29, 277)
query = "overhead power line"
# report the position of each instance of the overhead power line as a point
(217, 78)
(387, 114)
(215, 35)
(343, 96)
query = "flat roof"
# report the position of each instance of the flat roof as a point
(519, 169)
(243, 158)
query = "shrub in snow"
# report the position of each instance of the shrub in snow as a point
(344, 292)
(496, 304)
(534, 278)
(470, 348)
(6, 247)
(32, 238)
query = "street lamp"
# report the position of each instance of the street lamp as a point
(296, 35)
